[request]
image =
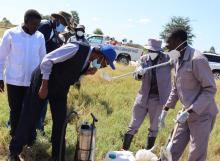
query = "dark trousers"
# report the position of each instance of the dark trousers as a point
(31, 112)
(16, 98)
(43, 112)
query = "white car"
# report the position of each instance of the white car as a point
(214, 62)
(124, 53)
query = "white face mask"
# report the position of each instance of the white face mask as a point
(95, 64)
(80, 33)
(175, 54)
(153, 56)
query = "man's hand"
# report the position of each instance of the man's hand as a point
(1, 86)
(43, 91)
(162, 119)
(91, 71)
(182, 117)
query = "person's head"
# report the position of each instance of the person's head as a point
(60, 20)
(32, 20)
(103, 56)
(177, 39)
(154, 48)
(80, 31)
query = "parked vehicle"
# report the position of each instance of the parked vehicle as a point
(214, 62)
(125, 54)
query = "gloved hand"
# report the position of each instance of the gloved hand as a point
(140, 71)
(162, 119)
(182, 117)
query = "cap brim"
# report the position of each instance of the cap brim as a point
(151, 48)
(112, 65)
(58, 16)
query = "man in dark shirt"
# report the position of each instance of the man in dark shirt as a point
(51, 80)
(51, 29)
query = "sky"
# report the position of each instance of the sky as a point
(136, 20)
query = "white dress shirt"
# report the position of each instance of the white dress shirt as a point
(20, 53)
(61, 54)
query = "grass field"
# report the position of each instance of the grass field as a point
(111, 102)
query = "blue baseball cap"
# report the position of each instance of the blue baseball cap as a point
(109, 53)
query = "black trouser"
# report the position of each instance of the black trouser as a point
(16, 98)
(31, 112)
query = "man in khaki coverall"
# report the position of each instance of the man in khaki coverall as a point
(153, 94)
(195, 87)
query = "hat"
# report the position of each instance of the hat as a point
(80, 27)
(66, 17)
(109, 53)
(154, 45)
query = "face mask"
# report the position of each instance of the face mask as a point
(153, 56)
(95, 64)
(60, 28)
(175, 54)
(80, 33)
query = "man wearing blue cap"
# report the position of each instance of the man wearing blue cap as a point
(51, 80)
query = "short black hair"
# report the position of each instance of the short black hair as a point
(179, 33)
(31, 14)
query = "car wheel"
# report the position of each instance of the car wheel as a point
(216, 75)
(124, 60)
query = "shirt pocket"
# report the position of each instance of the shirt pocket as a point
(187, 78)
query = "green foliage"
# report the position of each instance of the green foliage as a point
(178, 22)
(112, 104)
(98, 31)
(212, 49)
(75, 15)
(5, 22)
(46, 17)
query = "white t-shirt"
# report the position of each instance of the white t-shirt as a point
(20, 54)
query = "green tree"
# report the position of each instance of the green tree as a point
(178, 22)
(75, 16)
(46, 17)
(6, 22)
(130, 42)
(212, 49)
(98, 31)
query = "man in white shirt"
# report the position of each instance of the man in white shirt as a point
(21, 50)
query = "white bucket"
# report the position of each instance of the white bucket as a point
(119, 156)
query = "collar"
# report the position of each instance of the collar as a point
(186, 55)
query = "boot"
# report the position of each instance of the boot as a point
(150, 142)
(127, 141)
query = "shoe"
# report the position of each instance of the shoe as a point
(13, 157)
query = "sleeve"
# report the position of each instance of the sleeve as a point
(173, 97)
(61, 54)
(4, 51)
(42, 51)
(203, 74)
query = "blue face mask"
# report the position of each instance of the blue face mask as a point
(60, 28)
(95, 64)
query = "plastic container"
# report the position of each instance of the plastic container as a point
(119, 156)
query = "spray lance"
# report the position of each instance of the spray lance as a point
(173, 57)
